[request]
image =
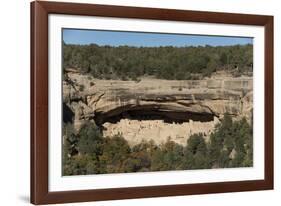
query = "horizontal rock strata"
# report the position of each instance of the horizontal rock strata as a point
(109, 102)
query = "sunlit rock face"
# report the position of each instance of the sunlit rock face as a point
(157, 109)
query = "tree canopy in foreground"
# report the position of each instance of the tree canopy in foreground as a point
(88, 152)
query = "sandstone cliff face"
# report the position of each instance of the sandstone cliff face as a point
(109, 102)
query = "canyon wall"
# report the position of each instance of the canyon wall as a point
(151, 107)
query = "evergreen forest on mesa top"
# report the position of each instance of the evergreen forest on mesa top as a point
(165, 62)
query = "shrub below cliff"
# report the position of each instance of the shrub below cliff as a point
(230, 145)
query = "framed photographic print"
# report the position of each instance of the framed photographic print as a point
(131, 102)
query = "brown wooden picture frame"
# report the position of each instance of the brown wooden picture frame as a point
(39, 102)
